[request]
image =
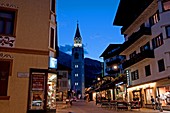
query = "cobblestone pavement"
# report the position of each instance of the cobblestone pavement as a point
(90, 107)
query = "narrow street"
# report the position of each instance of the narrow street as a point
(90, 107)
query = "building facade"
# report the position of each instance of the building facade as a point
(28, 43)
(113, 69)
(77, 79)
(146, 29)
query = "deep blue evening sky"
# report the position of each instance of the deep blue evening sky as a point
(95, 18)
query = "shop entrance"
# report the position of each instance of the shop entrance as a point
(137, 96)
(42, 91)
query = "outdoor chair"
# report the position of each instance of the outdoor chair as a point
(105, 103)
(122, 105)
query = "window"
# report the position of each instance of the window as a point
(147, 70)
(64, 75)
(53, 6)
(7, 22)
(161, 65)
(166, 5)
(135, 75)
(145, 47)
(52, 38)
(63, 83)
(154, 19)
(76, 83)
(167, 31)
(5, 66)
(76, 75)
(76, 66)
(157, 41)
(149, 92)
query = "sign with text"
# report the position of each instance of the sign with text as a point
(38, 81)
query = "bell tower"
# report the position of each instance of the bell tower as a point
(77, 79)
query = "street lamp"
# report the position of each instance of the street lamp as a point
(115, 67)
(98, 78)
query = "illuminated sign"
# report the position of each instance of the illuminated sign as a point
(52, 62)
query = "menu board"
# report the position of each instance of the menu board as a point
(38, 82)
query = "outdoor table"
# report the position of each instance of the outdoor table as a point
(113, 104)
(123, 105)
(105, 103)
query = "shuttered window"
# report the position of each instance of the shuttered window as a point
(4, 75)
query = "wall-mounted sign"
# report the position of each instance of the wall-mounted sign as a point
(23, 74)
(52, 62)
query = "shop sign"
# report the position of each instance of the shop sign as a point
(38, 82)
(52, 63)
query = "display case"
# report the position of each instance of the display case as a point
(51, 91)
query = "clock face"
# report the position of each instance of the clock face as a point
(77, 42)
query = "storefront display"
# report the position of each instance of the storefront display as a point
(164, 93)
(51, 91)
(42, 91)
(120, 92)
(148, 93)
(137, 95)
(59, 96)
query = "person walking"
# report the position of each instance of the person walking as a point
(159, 104)
(153, 102)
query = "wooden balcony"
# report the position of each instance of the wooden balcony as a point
(139, 57)
(135, 36)
(113, 60)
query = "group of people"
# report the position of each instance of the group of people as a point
(156, 103)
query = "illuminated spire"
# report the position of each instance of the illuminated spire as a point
(77, 37)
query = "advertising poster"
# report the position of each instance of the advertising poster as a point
(37, 100)
(38, 82)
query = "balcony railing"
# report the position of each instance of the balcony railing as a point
(112, 60)
(142, 31)
(138, 57)
(110, 70)
(135, 36)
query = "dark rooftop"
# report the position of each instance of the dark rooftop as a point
(129, 10)
(110, 50)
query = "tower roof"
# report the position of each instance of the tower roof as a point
(77, 38)
(77, 35)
